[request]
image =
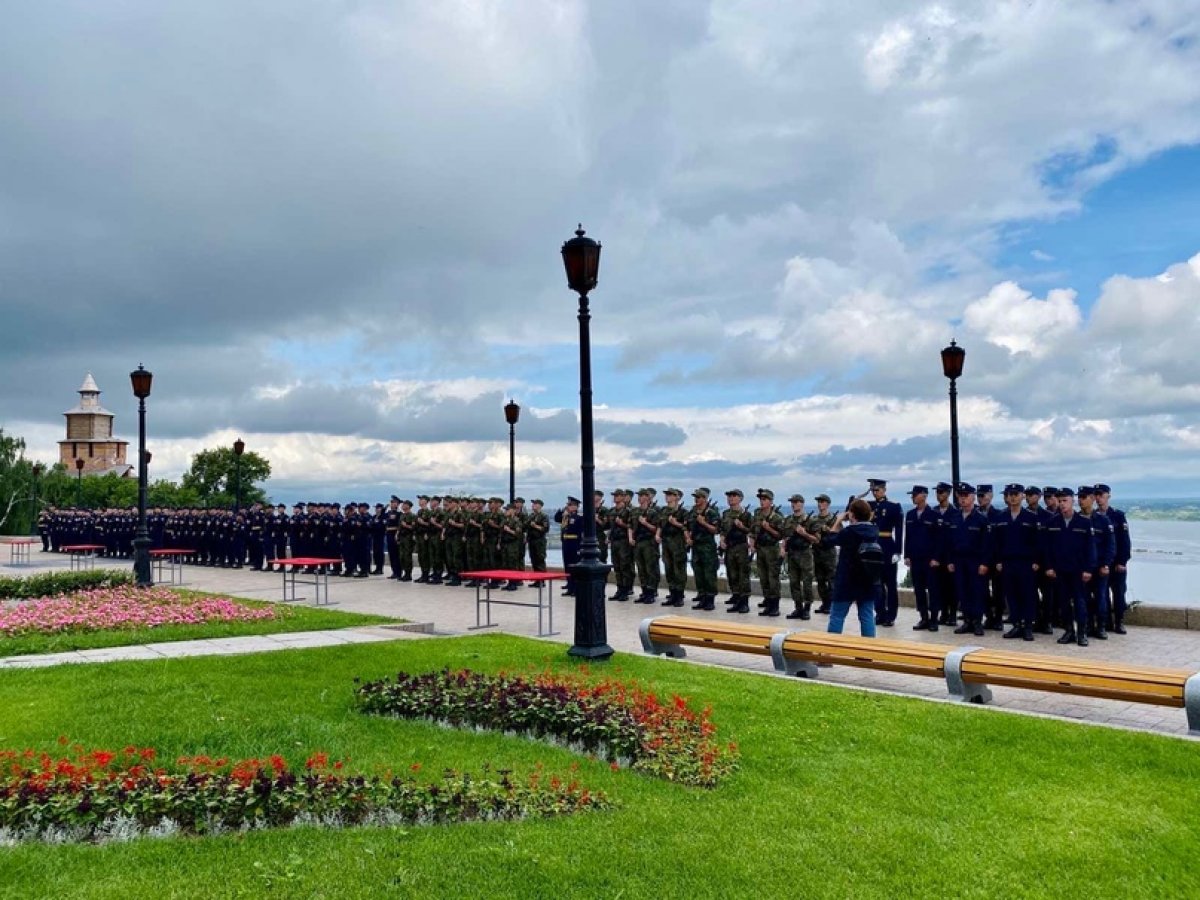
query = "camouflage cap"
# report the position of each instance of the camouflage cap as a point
(647, 492)
(766, 492)
(673, 491)
(537, 501)
(518, 500)
(736, 492)
(599, 493)
(823, 498)
(796, 498)
(702, 492)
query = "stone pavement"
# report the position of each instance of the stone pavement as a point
(452, 611)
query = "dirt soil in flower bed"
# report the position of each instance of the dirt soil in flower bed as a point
(125, 615)
(839, 793)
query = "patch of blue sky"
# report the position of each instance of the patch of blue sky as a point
(1136, 223)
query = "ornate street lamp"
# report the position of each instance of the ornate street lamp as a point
(581, 259)
(952, 367)
(78, 483)
(239, 447)
(141, 380)
(512, 413)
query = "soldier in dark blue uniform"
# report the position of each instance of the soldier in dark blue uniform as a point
(378, 531)
(994, 601)
(920, 540)
(941, 581)
(965, 548)
(888, 517)
(1070, 553)
(1106, 551)
(1118, 574)
(1016, 535)
(570, 529)
(1045, 587)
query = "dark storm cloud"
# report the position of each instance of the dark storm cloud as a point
(331, 170)
(641, 435)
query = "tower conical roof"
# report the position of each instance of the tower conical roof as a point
(89, 385)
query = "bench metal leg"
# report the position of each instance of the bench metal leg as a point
(1191, 703)
(654, 649)
(967, 691)
(799, 667)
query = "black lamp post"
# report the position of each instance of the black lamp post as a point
(512, 413)
(141, 379)
(581, 258)
(239, 447)
(78, 483)
(952, 366)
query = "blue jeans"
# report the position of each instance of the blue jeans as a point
(866, 616)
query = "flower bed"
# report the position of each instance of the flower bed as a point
(622, 722)
(123, 607)
(101, 795)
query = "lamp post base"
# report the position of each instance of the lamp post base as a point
(591, 631)
(141, 562)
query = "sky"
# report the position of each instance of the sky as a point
(333, 229)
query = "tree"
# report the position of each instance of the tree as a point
(16, 486)
(212, 473)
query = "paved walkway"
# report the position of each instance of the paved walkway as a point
(452, 610)
(232, 646)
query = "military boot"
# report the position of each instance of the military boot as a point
(797, 613)
(771, 607)
(1119, 625)
(708, 605)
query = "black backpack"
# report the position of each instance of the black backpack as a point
(868, 562)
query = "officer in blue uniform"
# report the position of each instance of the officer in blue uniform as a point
(1119, 572)
(1046, 603)
(920, 536)
(1070, 553)
(994, 598)
(1016, 537)
(965, 548)
(888, 517)
(571, 524)
(941, 581)
(1106, 551)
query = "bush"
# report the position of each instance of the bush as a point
(50, 584)
(623, 722)
(103, 795)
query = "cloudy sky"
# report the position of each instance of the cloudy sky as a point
(332, 228)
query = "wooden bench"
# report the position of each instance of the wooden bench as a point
(800, 652)
(978, 669)
(969, 672)
(667, 636)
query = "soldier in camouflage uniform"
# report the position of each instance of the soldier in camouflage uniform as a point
(536, 530)
(422, 537)
(437, 542)
(645, 550)
(765, 535)
(703, 526)
(820, 523)
(512, 534)
(602, 513)
(406, 539)
(493, 528)
(799, 546)
(473, 538)
(735, 534)
(620, 534)
(454, 522)
(673, 526)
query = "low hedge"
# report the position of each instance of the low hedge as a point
(49, 584)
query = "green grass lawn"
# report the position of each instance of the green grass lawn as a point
(288, 618)
(841, 793)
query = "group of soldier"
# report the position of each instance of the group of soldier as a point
(1034, 558)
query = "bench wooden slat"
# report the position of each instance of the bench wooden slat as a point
(734, 636)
